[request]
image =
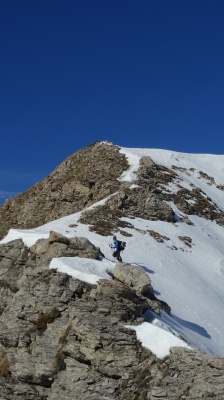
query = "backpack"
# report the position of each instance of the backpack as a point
(122, 245)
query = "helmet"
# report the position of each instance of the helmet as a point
(114, 237)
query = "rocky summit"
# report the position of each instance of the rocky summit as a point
(62, 338)
(81, 180)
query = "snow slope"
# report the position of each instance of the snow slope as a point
(189, 279)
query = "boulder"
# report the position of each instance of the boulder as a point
(58, 245)
(134, 277)
(58, 237)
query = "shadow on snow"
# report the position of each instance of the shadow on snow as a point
(176, 324)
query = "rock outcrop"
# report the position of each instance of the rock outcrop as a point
(134, 277)
(58, 245)
(92, 174)
(74, 185)
(61, 338)
(185, 374)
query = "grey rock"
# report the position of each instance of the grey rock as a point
(66, 339)
(74, 185)
(134, 277)
(61, 338)
(60, 246)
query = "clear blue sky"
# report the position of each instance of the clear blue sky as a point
(146, 73)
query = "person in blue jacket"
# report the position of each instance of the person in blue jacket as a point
(116, 248)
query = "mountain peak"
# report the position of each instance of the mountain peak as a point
(78, 182)
(60, 283)
(144, 183)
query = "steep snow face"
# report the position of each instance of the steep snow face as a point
(186, 268)
(194, 169)
(211, 164)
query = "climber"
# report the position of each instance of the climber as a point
(118, 246)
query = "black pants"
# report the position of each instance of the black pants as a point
(116, 254)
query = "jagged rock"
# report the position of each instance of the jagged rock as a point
(186, 219)
(73, 345)
(59, 246)
(186, 239)
(64, 339)
(74, 185)
(141, 203)
(185, 374)
(134, 277)
(61, 338)
(104, 220)
(193, 202)
(56, 237)
(13, 258)
(157, 236)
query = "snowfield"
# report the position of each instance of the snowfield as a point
(189, 279)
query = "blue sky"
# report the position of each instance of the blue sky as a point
(146, 73)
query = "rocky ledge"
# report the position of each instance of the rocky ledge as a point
(61, 338)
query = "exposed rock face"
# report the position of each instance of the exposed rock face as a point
(61, 338)
(146, 201)
(184, 374)
(134, 277)
(60, 246)
(74, 185)
(150, 201)
(93, 174)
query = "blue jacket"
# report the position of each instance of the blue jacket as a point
(116, 245)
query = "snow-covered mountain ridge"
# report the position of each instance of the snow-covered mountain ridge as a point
(168, 207)
(191, 255)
